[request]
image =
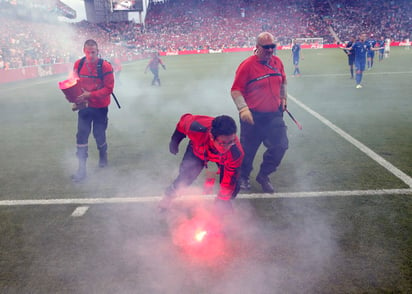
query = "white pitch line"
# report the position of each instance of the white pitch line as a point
(151, 199)
(366, 73)
(369, 152)
(80, 211)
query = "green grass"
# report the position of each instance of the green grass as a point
(350, 244)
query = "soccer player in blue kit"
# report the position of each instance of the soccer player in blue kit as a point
(351, 56)
(381, 44)
(360, 48)
(296, 55)
(371, 53)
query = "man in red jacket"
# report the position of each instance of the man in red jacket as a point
(153, 65)
(97, 81)
(259, 93)
(211, 139)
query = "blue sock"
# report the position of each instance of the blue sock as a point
(358, 78)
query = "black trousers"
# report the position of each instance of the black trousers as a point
(190, 168)
(92, 118)
(155, 72)
(269, 129)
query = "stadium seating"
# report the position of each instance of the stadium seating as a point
(196, 24)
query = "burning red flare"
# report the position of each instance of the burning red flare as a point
(67, 83)
(200, 235)
(71, 89)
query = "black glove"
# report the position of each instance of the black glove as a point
(177, 137)
(164, 67)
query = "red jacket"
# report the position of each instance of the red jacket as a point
(197, 129)
(90, 81)
(154, 63)
(260, 84)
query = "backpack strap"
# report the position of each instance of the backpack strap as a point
(99, 68)
(80, 65)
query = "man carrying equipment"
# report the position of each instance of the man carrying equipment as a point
(259, 93)
(92, 105)
(211, 139)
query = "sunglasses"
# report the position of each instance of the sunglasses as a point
(270, 46)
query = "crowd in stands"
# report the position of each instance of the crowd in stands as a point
(172, 25)
(390, 19)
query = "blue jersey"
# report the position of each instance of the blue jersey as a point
(350, 53)
(360, 49)
(381, 44)
(295, 53)
(296, 50)
(372, 43)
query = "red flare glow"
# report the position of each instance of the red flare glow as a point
(71, 89)
(67, 84)
(199, 236)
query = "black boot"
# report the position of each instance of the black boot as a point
(102, 155)
(81, 174)
(264, 181)
(244, 184)
(167, 199)
(102, 159)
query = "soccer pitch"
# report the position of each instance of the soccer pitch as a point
(340, 222)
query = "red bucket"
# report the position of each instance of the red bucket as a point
(71, 89)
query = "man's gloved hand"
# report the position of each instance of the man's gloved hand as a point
(246, 115)
(223, 207)
(164, 66)
(79, 106)
(173, 147)
(83, 96)
(175, 141)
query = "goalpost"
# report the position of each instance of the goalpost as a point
(312, 43)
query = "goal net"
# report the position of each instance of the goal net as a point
(313, 43)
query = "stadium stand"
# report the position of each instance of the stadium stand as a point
(199, 24)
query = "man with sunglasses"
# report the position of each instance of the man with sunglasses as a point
(210, 139)
(259, 93)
